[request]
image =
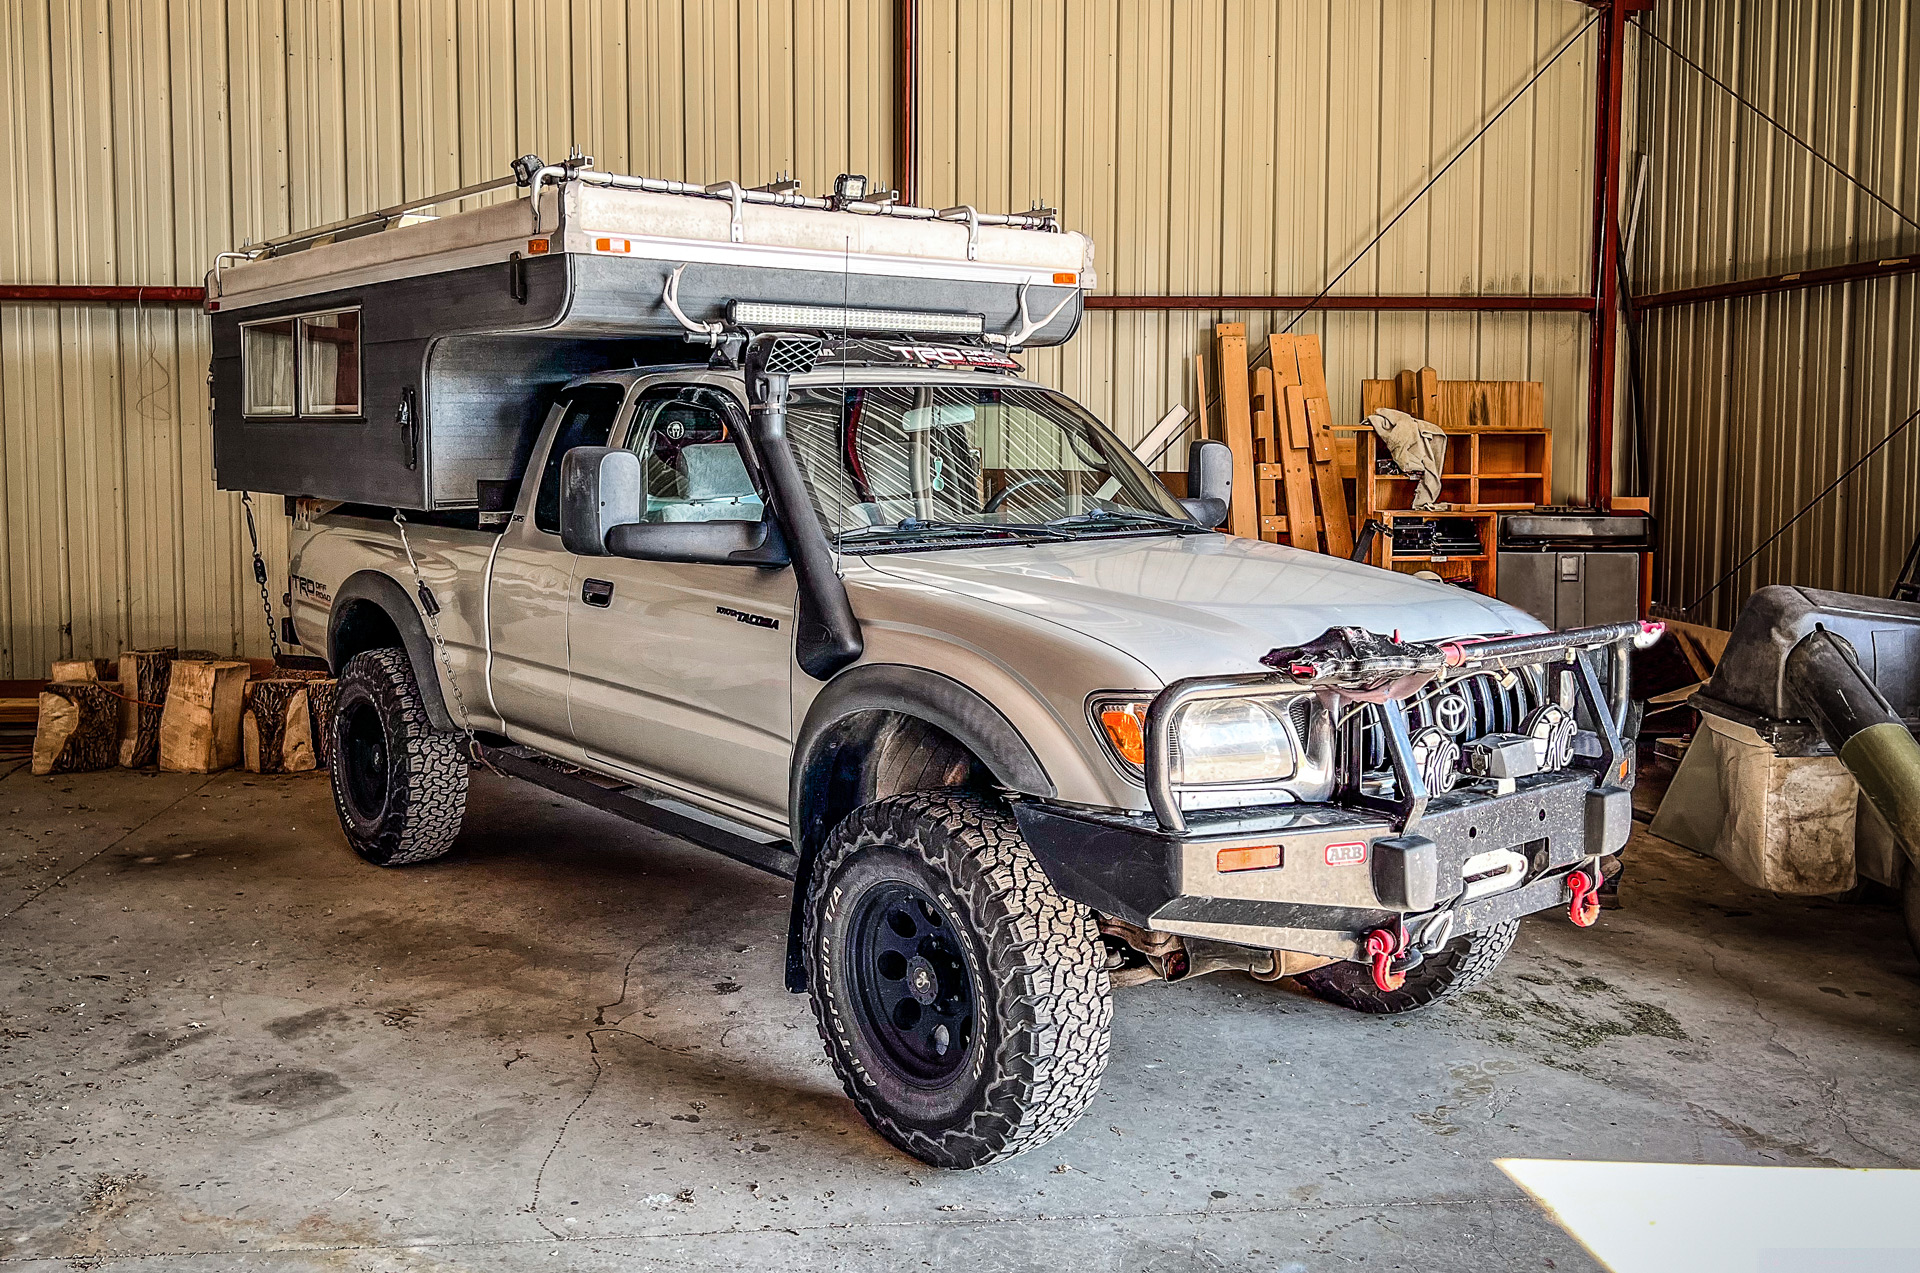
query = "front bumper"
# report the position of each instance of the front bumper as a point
(1477, 854)
(1322, 902)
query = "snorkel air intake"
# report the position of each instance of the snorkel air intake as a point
(827, 634)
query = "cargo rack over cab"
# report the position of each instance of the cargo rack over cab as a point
(407, 361)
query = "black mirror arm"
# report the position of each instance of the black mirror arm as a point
(715, 543)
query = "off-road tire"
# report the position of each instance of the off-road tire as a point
(1042, 1006)
(1460, 965)
(400, 796)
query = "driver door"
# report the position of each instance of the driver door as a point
(682, 673)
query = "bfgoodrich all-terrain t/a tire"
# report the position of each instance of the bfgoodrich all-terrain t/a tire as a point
(964, 1003)
(1461, 964)
(399, 784)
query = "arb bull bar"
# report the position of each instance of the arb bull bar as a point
(1380, 869)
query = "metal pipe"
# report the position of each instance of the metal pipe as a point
(1568, 304)
(1606, 228)
(384, 214)
(84, 292)
(1862, 728)
(1853, 271)
(906, 98)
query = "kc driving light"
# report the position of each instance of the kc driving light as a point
(1232, 740)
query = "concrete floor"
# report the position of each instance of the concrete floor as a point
(227, 1044)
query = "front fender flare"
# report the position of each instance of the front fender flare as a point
(898, 688)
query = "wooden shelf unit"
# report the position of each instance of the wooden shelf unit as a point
(1488, 470)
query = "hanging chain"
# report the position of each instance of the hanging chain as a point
(430, 607)
(260, 574)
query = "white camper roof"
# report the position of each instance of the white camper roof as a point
(584, 211)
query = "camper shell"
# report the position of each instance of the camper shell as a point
(407, 361)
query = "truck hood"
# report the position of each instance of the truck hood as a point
(1193, 605)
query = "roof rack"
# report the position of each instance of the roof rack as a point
(530, 172)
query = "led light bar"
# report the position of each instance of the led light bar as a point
(832, 318)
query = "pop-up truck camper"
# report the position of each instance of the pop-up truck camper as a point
(728, 510)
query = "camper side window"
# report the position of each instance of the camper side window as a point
(266, 362)
(308, 365)
(330, 363)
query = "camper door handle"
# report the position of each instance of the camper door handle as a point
(597, 592)
(404, 416)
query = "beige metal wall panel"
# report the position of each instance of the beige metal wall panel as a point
(1208, 146)
(1255, 146)
(1757, 404)
(181, 129)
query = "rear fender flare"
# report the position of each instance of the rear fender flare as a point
(384, 593)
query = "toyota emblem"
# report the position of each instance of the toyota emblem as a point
(1451, 714)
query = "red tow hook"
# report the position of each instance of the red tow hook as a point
(1585, 907)
(1383, 945)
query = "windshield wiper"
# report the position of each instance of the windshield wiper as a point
(921, 527)
(1097, 518)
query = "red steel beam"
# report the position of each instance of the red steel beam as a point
(1486, 304)
(906, 98)
(1885, 267)
(81, 292)
(1605, 276)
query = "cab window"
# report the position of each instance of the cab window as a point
(687, 438)
(587, 416)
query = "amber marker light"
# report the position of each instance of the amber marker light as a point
(1257, 858)
(1126, 726)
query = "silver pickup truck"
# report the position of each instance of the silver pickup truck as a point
(926, 638)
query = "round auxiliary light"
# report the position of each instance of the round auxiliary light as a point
(1438, 759)
(1552, 729)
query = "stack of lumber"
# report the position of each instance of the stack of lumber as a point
(191, 713)
(1287, 480)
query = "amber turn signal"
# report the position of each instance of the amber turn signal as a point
(1126, 725)
(1257, 858)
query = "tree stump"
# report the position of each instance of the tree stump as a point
(200, 725)
(78, 729)
(143, 684)
(277, 726)
(321, 696)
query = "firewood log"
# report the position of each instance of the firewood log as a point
(143, 682)
(276, 726)
(321, 696)
(200, 726)
(79, 727)
(79, 670)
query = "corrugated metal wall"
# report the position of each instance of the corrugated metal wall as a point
(1756, 404)
(1231, 147)
(1210, 146)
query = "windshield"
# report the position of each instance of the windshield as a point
(890, 463)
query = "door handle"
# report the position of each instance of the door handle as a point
(597, 592)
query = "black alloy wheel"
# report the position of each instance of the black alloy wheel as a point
(913, 983)
(363, 760)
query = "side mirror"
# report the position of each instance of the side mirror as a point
(1209, 482)
(600, 488)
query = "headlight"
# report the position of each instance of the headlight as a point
(1222, 741)
(1232, 740)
